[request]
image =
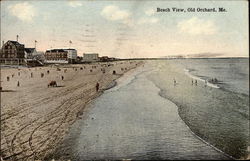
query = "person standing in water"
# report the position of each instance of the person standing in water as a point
(196, 82)
(205, 83)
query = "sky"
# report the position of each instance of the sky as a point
(127, 28)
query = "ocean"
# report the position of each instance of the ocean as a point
(155, 112)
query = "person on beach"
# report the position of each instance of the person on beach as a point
(18, 84)
(205, 83)
(174, 82)
(62, 77)
(196, 82)
(97, 86)
(192, 82)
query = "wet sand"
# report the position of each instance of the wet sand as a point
(132, 121)
(35, 118)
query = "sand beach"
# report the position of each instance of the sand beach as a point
(150, 100)
(35, 117)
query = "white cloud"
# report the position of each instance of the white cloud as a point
(74, 3)
(196, 26)
(24, 11)
(114, 13)
(151, 20)
(150, 12)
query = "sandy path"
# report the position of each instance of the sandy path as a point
(34, 118)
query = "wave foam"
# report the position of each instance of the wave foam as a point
(187, 72)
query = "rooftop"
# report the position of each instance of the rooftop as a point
(14, 42)
(29, 50)
(56, 50)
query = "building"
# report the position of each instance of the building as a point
(29, 53)
(61, 56)
(90, 57)
(12, 52)
(72, 55)
(104, 58)
(56, 56)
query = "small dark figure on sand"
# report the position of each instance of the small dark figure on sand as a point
(52, 84)
(205, 83)
(18, 84)
(175, 82)
(97, 86)
(62, 77)
(192, 82)
(31, 75)
(47, 71)
(196, 82)
(8, 78)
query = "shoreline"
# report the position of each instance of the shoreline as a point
(76, 138)
(200, 97)
(197, 136)
(197, 106)
(23, 137)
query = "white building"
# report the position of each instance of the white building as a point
(29, 53)
(72, 55)
(90, 57)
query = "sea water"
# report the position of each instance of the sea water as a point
(139, 119)
(218, 113)
(232, 73)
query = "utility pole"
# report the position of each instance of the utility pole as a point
(70, 42)
(35, 44)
